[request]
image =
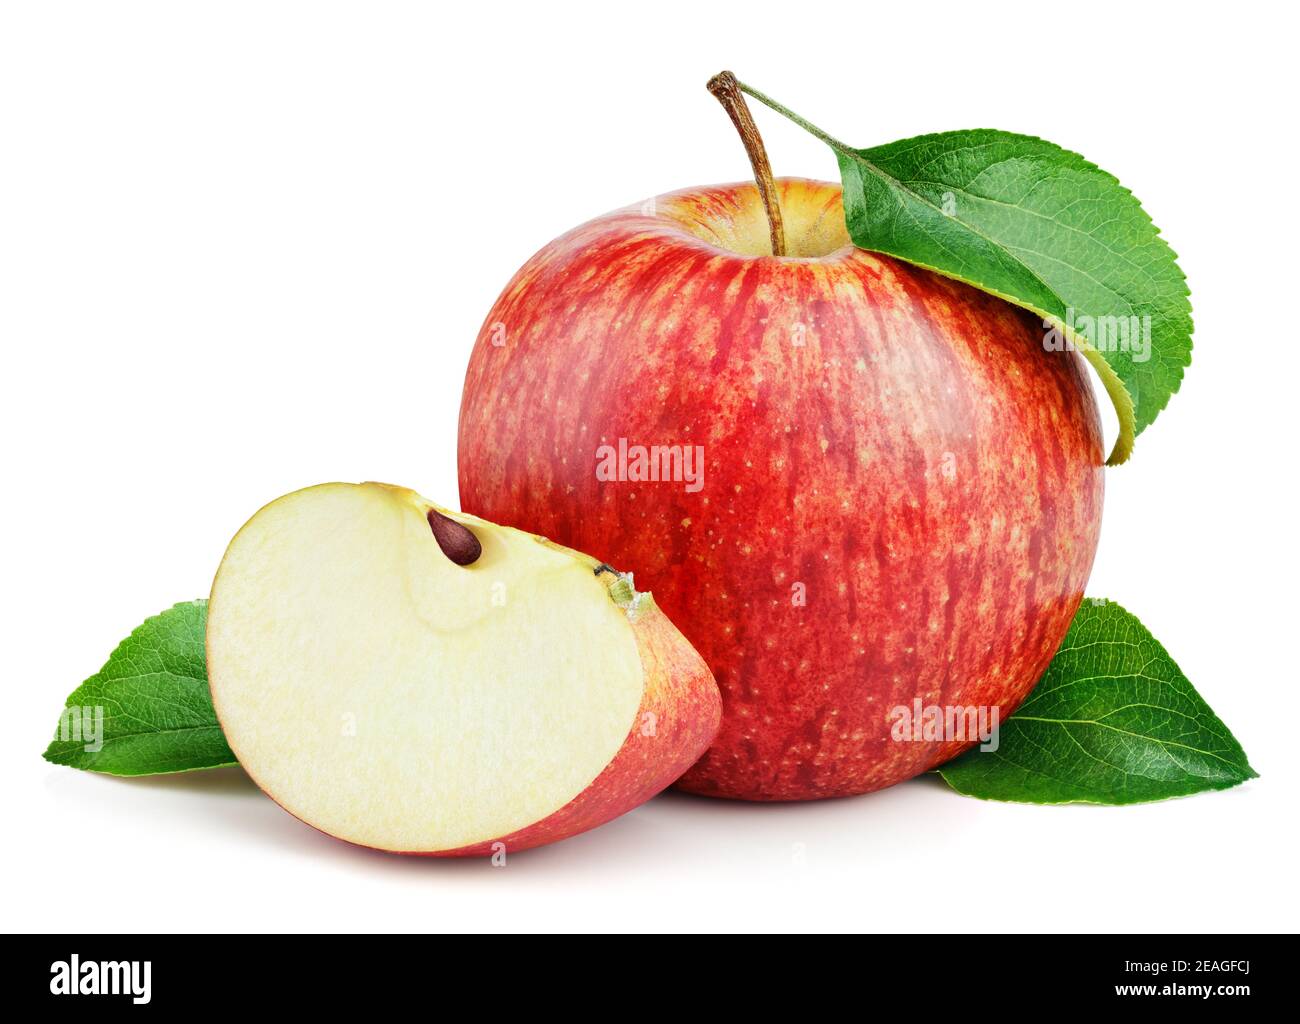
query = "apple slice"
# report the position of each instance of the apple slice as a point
(418, 680)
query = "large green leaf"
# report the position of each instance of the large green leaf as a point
(1038, 226)
(1112, 721)
(148, 710)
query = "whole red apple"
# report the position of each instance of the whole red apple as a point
(851, 483)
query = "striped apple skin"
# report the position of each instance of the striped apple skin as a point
(902, 489)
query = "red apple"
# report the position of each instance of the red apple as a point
(901, 489)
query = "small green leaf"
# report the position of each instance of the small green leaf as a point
(1112, 721)
(1040, 227)
(148, 710)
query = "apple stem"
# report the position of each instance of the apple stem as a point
(728, 91)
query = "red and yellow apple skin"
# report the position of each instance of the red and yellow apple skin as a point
(902, 492)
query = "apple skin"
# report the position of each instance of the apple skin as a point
(893, 448)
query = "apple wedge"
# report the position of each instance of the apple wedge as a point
(417, 680)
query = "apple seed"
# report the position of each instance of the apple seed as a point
(457, 541)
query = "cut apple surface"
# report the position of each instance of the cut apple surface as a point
(390, 696)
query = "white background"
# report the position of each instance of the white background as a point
(247, 247)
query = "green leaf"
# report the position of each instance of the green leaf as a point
(1112, 721)
(1038, 226)
(148, 710)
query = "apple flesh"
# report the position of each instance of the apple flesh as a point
(902, 489)
(391, 697)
